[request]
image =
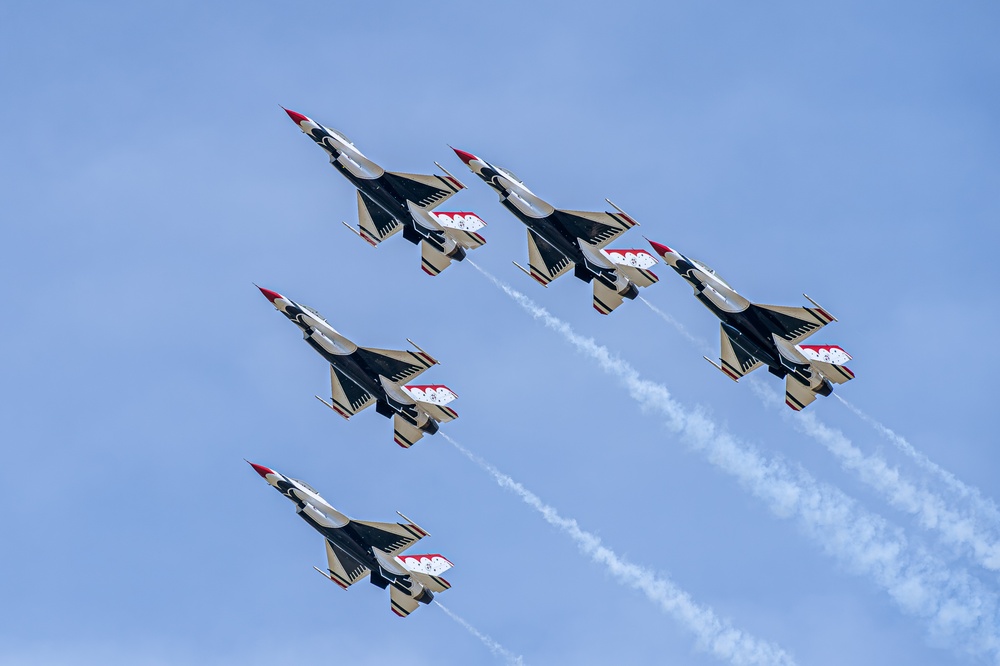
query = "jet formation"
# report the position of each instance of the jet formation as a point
(559, 241)
(361, 377)
(359, 548)
(563, 240)
(389, 202)
(756, 335)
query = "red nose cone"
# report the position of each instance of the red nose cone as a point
(297, 118)
(263, 471)
(464, 156)
(660, 249)
(270, 295)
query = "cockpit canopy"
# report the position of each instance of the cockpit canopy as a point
(510, 174)
(708, 269)
(306, 486)
(314, 311)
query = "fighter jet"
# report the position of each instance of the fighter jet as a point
(755, 335)
(358, 548)
(388, 202)
(361, 377)
(564, 240)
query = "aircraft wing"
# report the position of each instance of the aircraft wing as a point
(398, 366)
(374, 224)
(428, 192)
(794, 324)
(736, 361)
(546, 262)
(344, 571)
(598, 229)
(346, 397)
(390, 538)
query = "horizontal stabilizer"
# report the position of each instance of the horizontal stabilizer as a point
(605, 298)
(402, 603)
(635, 265)
(797, 395)
(462, 227)
(431, 261)
(405, 433)
(431, 565)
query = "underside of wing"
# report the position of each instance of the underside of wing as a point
(344, 571)
(374, 224)
(794, 324)
(546, 262)
(397, 366)
(736, 361)
(597, 229)
(390, 538)
(426, 191)
(346, 397)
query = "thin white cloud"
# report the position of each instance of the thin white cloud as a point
(956, 607)
(715, 635)
(493, 646)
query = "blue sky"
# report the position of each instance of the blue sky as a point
(150, 177)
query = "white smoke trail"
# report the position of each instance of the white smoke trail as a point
(982, 506)
(958, 529)
(956, 606)
(680, 328)
(932, 511)
(714, 634)
(494, 647)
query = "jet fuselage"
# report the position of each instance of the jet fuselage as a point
(542, 218)
(340, 353)
(754, 329)
(338, 529)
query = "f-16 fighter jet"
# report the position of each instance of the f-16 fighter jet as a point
(564, 240)
(358, 548)
(388, 202)
(755, 335)
(361, 377)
